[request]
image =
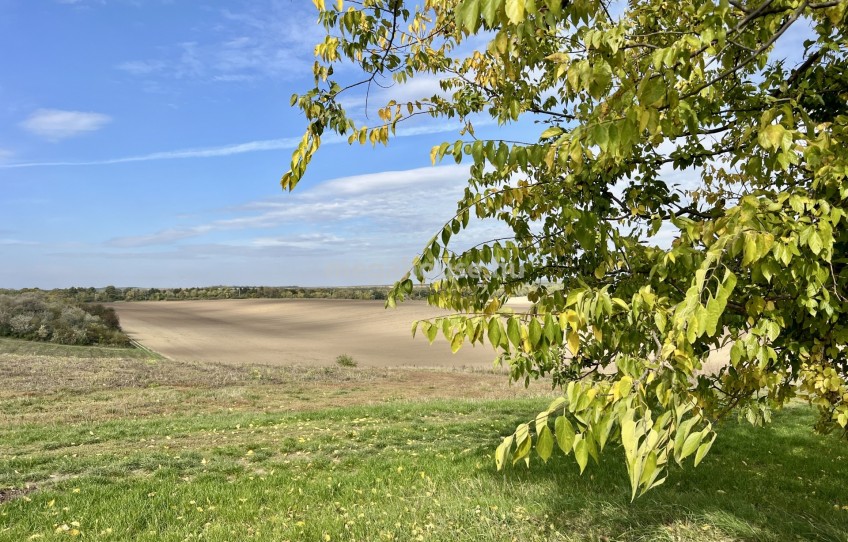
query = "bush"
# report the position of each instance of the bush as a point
(345, 360)
(38, 316)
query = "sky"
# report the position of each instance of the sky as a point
(142, 143)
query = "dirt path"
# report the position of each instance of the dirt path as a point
(292, 332)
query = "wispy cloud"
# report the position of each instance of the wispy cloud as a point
(57, 124)
(309, 241)
(370, 208)
(142, 67)
(266, 40)
(163, 237)
(227, 150)
(204, 152)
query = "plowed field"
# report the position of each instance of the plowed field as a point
(292, 332)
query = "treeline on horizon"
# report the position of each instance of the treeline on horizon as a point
(111, 294)
(37, 315)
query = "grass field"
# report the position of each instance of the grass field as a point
(113, 445)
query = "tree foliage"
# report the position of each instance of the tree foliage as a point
(39, 316)
(92, 295)
(686, 190)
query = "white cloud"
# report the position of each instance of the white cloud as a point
(233, 149)
(310, 241)
(404, 207)
(57, 124)
(420, 87)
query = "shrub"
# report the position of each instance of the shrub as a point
(345, 360)
(36, 315)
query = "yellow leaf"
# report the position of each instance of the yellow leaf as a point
(624, 386)
(771, 136)
(573, 342)
(456, 342)
(515, 11)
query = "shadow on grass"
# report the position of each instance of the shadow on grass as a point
(781, 482)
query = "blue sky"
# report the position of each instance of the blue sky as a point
(142, 142)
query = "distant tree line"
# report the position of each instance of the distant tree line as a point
(111, 293)
(53, 317)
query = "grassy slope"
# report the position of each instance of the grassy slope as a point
(124, 448)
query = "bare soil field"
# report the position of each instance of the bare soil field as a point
(292, 332)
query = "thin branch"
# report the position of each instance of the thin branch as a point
(752, 57)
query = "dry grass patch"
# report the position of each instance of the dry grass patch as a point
(70, 388)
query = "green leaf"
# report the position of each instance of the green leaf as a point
(552, 331)
(513, 332)
(681, 437)
(815, 243)
(714, 310)
(467, 15)
(652, 91)
(489, 9)
(574, 296)
(553, 131)
(564, 434)
(556, 404)
(432, 332)
(703, 449)
(629, 437)
(523, 444)
(690, 445)
(535, 332)
(649, 469)
(541, 421)
(456, 342)
(502, 454)
(600, 135)
(545, 443)
(750, 251)
(495, 331)
(581, 452)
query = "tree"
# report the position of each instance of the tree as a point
(628, 98)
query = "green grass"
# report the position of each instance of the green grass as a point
(286, 458)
